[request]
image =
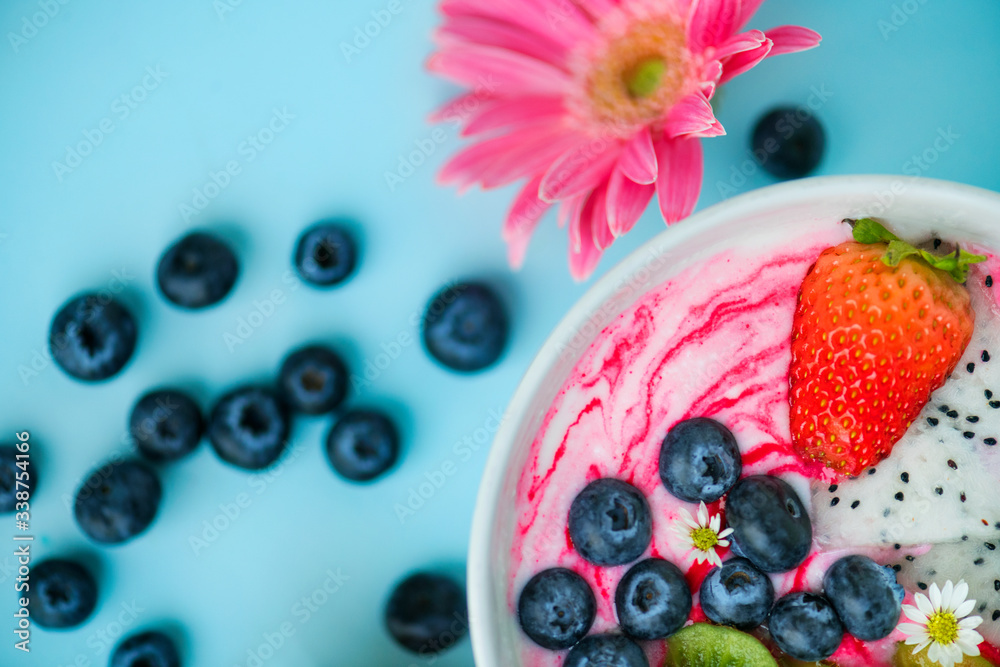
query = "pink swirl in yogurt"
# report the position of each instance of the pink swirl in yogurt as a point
(711, 342)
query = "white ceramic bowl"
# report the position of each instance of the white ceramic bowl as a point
(912, 206)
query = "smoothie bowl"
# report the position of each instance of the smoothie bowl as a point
(728, 454)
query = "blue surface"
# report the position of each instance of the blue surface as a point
(889, 94)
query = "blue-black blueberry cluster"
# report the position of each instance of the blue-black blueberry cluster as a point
(465, 327)
(610, 524)
(426, 613)
(789, 142)
(93, 336)
(197, 271)
(772, 533)
(151, 648)
(63, 593)
(13, 497)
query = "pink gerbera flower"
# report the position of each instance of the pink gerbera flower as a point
(597, 103)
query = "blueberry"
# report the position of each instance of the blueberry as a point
(609, 522)
(197, 271)
(769, 522)
(362, 445)
(652, 599)
(426, 613)
(805, 626)
(92, 337)
(117, 501)
(249, 427)
(313, 380)
(63, 594)
(10, 473)
(166, 424)
(699, 460)
(792, 150)
(865, 595)
(556, 608)
(737, 594)
(325, 254)
(606, 651)
(465, 327)
(146, 649)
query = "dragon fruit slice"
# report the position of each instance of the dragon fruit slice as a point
(975, 561)
(942, 481)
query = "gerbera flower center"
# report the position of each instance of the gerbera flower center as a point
(645, 77)
(704, 538)
(942, 627)
(640, 74)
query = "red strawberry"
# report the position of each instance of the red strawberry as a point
(879, 325)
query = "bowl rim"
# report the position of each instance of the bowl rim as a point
(483, 629)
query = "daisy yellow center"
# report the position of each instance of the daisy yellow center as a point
(639, 75)
(942, 627)
(704, 538)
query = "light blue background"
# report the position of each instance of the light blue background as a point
(890, 95)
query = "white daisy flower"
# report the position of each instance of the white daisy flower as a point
(703, 534)
(942, 622)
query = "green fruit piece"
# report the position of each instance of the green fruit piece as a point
(704, 645)
(788, 661)
(904, 658)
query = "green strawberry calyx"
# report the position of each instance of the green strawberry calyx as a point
(955, 264)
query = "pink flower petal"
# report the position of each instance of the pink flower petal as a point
(515, 112)
(710, 75)
(494, 70)
(584, 255)
(524, 215)
(598, 206)
(597, 8)
(458, 110)
(638, 160)
(679, 184)
(579, 169)
(712, 22)
(745, 61)
(527, 159)
(739, 43)
(501, 34)
(565, 23)
(693, 116)
(500, 160)
(747, 10)
(626, 202)
(791, 39)
(569, 208)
